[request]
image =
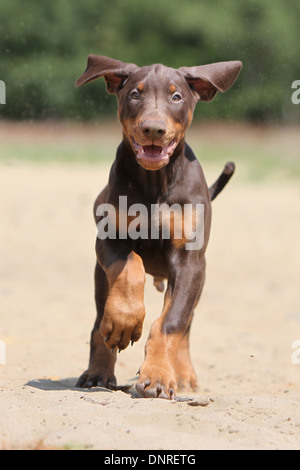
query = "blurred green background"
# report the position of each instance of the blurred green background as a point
(44, 46)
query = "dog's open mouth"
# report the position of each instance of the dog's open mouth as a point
(154, 153)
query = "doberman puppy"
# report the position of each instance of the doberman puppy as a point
(153, 166)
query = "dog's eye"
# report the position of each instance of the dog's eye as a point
(176, 97)
(134, 95)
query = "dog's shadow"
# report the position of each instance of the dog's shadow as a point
(69, 383)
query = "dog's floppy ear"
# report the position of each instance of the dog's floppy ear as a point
(114, 71)
(207, 80)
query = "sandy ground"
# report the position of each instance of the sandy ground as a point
(242, 334)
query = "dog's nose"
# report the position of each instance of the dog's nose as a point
(153, 129)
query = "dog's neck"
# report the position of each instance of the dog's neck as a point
(153, 183)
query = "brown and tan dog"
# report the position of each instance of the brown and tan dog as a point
(153, 166)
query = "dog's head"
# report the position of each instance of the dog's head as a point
(156, 103)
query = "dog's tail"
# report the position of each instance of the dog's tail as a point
(223, 179)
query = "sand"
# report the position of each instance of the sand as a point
(242, 333)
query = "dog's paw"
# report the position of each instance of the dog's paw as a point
(122, 324)
(187, 384)
(185, 375)
(101, 378)
(156, 381)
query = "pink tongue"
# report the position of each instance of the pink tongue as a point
(152, 150)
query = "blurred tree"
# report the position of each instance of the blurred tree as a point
(44, 46)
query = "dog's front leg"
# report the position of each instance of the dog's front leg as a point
(186, 278)
(124, 310)
(119, 294)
